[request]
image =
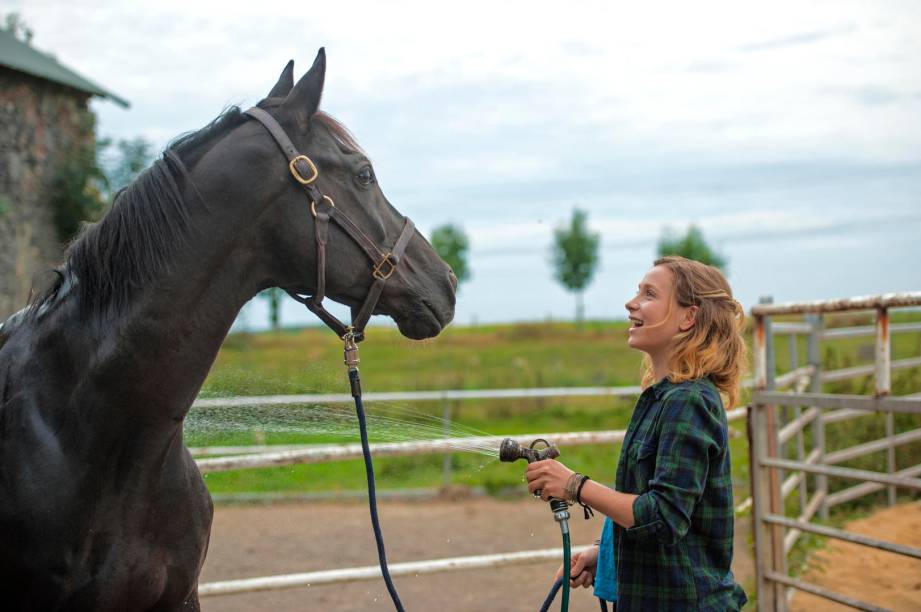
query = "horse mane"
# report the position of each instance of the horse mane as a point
(129, 247)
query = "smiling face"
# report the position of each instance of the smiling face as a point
(655, 315)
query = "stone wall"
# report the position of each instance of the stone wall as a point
(41, 123)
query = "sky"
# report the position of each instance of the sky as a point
(790, 132)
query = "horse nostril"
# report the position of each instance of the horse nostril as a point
(452, 279)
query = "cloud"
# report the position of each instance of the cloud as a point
(760, 122)
(872, 95)
(802, 38)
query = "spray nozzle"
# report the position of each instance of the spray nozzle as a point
(510, 451)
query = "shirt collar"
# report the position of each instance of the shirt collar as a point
(661, 387)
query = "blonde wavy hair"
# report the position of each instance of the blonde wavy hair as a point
(713, 346)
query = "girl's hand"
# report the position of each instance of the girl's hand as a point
(581, 568)
(549, 477)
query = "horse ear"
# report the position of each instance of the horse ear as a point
(305, 97)
(285, 82)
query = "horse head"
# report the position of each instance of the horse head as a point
(249, 167)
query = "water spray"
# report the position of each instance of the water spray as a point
(509, 452)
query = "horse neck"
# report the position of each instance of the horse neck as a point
(156, 352)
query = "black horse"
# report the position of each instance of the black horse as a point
(101, 505)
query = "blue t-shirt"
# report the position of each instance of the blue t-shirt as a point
(606, 570)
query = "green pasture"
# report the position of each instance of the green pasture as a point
(551, 354)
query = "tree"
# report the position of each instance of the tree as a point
(86, 179)
(76, 190)
(575, 256)
(14, 24)
(122, 167)
(273, 295)
(451, 244)
(691, 245)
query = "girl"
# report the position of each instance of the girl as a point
(666, 543)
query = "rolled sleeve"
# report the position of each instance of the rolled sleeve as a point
(689, 436)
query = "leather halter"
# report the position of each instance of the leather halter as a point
(324, 210)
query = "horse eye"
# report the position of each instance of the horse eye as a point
(365, 176)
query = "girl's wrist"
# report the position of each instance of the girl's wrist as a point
(573, 492)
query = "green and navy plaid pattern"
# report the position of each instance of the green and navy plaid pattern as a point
(675, 456)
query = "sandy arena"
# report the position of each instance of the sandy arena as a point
(252, 541)
(882, 578)
(261, 540)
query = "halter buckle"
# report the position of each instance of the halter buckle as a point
(297, 175)
(380, 275)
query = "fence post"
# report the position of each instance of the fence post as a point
(770, 364)
(814, 357)
(883, 355)
(447, 462)
(797, 413)
(765, 482)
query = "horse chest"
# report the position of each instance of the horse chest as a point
(85, 534)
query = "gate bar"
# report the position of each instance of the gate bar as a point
(822, 592)
(840, 472)
(865, 302)
(831, 532)
(832, 400)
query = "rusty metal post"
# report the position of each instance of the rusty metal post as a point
(883, 355)
(770, 377)
(770, 364)
(756, 445)
(814, 357)
(800, 440)
(765, 482)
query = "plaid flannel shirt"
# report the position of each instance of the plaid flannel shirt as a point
(675, 456)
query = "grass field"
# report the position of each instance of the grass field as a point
(497, 356)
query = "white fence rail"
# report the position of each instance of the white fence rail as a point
(373, 572)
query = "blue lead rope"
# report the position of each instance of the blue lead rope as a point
(552, 594)
(556, 588)
(355, 383)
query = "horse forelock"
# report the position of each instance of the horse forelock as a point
(341, 134)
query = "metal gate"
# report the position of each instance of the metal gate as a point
(778, 419)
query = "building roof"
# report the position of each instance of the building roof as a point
(19, 56)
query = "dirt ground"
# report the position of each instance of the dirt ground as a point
(882, 578)
(249, 541)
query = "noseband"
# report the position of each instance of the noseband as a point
(324, 210)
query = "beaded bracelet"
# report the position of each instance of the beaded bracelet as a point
(571, 489)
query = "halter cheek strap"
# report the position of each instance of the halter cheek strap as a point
(324, 210)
